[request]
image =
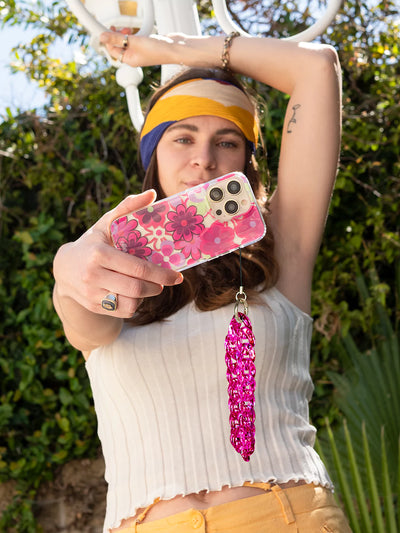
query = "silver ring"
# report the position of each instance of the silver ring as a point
(125, 42)
(110, 302)
(121, 57)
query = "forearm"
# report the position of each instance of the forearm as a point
(277, 63)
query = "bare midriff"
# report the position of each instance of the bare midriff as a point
(201, 500)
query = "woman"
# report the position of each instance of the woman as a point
(153, 340)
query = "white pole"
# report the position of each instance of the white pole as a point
(228, 25)
(175, 16)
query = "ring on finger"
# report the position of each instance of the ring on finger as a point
(125, 42)
(110, 302)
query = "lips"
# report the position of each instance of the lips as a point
(197, 181)
(193, 183)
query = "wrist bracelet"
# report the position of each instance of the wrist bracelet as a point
(225, 51)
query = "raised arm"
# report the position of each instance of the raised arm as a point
(310, 74)
(308, 161)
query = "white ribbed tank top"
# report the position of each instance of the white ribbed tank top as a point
(160, 394)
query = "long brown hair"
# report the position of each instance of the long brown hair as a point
(215, 283)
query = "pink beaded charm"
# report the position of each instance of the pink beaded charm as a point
(241, 371)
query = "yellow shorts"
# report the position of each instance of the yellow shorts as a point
(300, 509)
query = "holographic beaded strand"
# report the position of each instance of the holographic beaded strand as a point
(240, 372)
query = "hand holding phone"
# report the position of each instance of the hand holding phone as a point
(195, 226)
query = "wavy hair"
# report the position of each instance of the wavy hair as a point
(213, 284)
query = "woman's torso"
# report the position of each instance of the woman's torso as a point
(161, 400)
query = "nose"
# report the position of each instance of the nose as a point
(204, 156)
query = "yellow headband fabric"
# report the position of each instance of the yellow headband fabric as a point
(194, 98)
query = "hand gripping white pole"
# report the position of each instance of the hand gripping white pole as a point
(170, 16)
(127, 77)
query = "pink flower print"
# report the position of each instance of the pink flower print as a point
(196, 195)
(184, 223)
(155, 237)
(153, 215)
(168, 257)
(167, 248)
(121, 227)
(218, 238)
(134, 244)
(249, 226)
(158, 259)
(190, 249)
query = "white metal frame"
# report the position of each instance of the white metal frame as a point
(165, 16)
(228, 25)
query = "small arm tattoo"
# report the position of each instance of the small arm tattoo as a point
(293, 119)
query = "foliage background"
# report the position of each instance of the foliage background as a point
(64, 165)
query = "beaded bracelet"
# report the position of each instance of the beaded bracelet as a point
(225, 51)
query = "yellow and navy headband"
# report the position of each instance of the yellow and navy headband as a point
(194, 98)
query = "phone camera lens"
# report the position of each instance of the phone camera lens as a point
(234, 187)
(216, 194)
(231, 207)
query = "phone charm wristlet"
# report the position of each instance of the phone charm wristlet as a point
(240, 372)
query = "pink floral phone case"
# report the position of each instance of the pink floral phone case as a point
(189, 228)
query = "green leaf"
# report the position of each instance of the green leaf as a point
(388, 499)
(373, 489)
(366, 526)
(65, 396)
(343, 484)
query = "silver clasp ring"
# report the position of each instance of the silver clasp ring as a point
(241, 299)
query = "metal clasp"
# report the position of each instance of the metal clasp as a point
(241, 299)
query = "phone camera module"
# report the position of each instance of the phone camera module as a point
(216, 194)
(231, 207)
(234, 187)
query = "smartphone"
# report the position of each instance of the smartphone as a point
(194, 226)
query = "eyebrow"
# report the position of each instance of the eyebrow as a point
(192, 127)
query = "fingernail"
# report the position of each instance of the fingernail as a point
(179, 279)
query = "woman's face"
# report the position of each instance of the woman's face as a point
(198, 149)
